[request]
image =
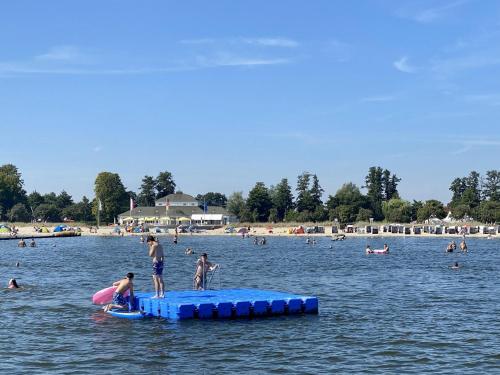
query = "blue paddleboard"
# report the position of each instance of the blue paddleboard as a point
(126, 314)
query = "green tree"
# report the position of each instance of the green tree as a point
(344, 214)
(50, 198)
(491, 186)
(489, 211)
(316, 193)
(305, 201)
(114, 199)
(364, 214)
(34, 200)
(273, 215)
(457, 187)
(212, 199)
(259, 202)
(47, 212)
(282, 199)
(415, 206)
(64, 200)
(352, 201)
(236, 205)
(431, 208)
(19, 212)
(147, 195)
(165, 184)
(397, 210)
(390, 185)
(86, 210)
(11, 187)
(375, 190)
(459, 211)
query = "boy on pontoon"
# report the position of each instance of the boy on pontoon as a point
(156, 253)
(202, 267)
(119, 301)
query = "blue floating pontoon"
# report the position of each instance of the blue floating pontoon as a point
(223, 304)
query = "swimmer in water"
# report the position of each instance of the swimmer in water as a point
(18, 264)
(449, 248)
(21, 243)
(13, 284)
(455, 266)
(368, 249)
(142, 239)
(463, 246)
(189, 251)
(32, 243)
(386, 248)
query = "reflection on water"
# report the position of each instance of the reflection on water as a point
(405, 312)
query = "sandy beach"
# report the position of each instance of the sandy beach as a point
(260, 231)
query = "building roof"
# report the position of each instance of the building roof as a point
(177, 197)
(173, 211)
(156, 211)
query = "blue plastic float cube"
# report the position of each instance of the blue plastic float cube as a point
(260, 307)
(205, 310)
(294, 306)
(224, 310)
(278, 307)
(242, 309)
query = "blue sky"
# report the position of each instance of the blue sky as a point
(227, 93)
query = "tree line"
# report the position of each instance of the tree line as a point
(472, 196)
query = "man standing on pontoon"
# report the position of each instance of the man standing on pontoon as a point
(156, 252)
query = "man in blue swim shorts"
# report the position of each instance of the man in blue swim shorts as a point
(156, 252)
(119, 301)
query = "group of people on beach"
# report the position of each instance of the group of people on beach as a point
(156, 252)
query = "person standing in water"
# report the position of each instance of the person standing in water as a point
(32, 243)
(202, 267)
(156, 253)
(463, 246)
(21, 243)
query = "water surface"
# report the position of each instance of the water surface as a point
(406, 312)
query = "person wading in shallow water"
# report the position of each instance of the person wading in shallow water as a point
(202, 267)
(156, 252)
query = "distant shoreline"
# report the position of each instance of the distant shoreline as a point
(27, 232)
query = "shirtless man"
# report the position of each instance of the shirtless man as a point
(21, 243)
(386, 248)
(202, 267)
(368, 250)
(119, 301)
(156, 252)
(463, 246)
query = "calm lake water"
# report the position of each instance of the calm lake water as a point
(406, 312)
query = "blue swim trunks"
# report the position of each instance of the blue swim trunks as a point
(157, 267)
(118, 299)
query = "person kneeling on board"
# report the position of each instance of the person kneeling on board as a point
(202, 267)
(119, 301)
